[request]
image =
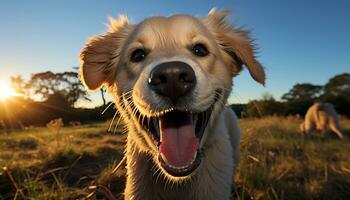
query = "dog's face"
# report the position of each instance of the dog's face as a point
(170, 77)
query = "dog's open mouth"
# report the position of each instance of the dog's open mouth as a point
(177, 135)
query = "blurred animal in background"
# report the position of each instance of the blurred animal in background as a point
(170, 78)
(320, 117)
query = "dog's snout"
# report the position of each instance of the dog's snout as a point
(172, 79)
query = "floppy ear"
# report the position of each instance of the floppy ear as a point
(237, 47)
(100, 55)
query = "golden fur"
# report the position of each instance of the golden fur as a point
(105, 62)
(320, 117)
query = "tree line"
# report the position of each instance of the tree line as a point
(300, 97)
(48, 95)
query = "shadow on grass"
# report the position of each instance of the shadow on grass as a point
(29, 143)
(336, 188)
(293, 187)
(329, 135)
(78, 170)
(302, 183)
(66, 169)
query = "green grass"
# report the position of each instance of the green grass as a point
(276, 163)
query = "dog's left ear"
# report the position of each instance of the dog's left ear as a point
(237, 47)
(100, 55)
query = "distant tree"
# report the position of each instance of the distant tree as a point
(339, 85)
(75, 89)
(58, 101)
(337, 92)
(297, 107)
(43, 84)
(20, 86)
(302, 95)
(66, 84)
(266, 106)
(103, 91)
(239, 109)
(303, 91)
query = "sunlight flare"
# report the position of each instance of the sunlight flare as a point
(6, 91)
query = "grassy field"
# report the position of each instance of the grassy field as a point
(276, 163)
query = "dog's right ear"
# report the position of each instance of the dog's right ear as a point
(100, 55)
(236, 44)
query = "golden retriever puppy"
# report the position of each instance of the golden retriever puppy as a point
(170, 78)
(320, 117)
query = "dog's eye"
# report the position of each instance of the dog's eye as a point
(138, 55)
(200, 50)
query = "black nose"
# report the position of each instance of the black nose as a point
(172, 79)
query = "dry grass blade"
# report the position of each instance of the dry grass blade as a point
(71, 166)
(283, 174)
(52, 171)
(254, 158)
(106, 192)
(345, 169)
(89, 196)
(13, 182)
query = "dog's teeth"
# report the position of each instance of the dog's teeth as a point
(195, 118)
(194, 156)
(181, 168)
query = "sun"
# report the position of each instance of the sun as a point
(6, 91)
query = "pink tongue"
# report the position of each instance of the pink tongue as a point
(178, 144)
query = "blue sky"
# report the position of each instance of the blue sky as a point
(300, 41)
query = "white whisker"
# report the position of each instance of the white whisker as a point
(110, 124)
(116, 126)
(108, 106)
